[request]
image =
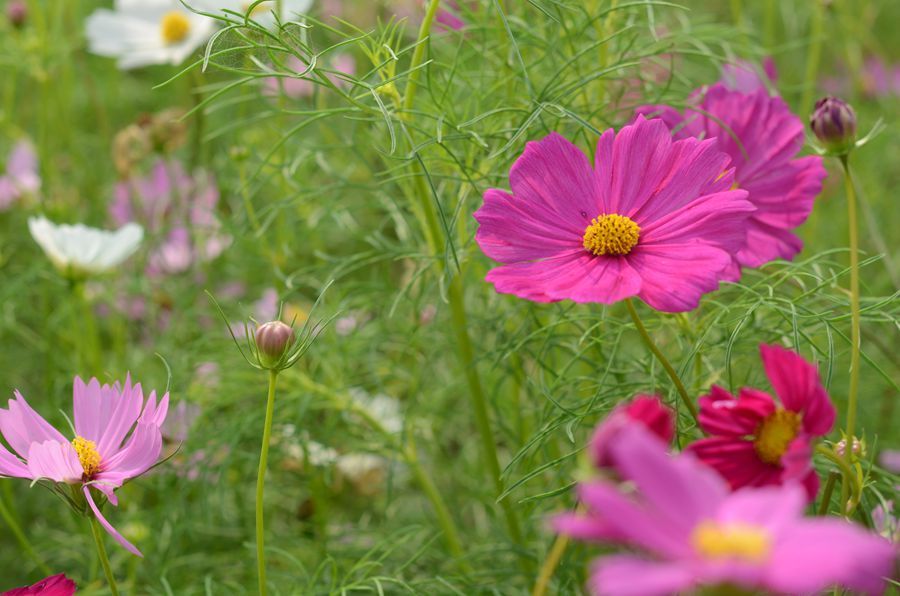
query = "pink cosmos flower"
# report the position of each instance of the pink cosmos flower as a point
(21, 176)
(762, 137)
(56, 585)
(654, 218)
(99, 456)
(645, 409)
(686, 530)
(757, 441)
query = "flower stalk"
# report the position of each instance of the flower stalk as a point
(104, 559)
(651, 345)
(261, 483)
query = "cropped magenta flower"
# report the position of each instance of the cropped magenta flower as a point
(762, 137)
(99, 456)
(56, 585)
(653, 218)
(685, 530)
(757, 441)
(645, 409)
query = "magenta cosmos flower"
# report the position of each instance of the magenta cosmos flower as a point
(762, 137)
(653, 218)
(686, 530)
(56, 585)
(102, 455)
(757, 441)
(644, 409)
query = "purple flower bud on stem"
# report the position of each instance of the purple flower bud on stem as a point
(273, 339)
(834, 123)
(17, 13)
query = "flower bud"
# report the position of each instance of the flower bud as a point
(17, 13)
(834, 123)
(273, 339)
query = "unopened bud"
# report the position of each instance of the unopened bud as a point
(834, 123)
(273, 339)
(17, 13)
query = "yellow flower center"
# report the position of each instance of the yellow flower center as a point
(611, 235)
(731, 541)
(87, 455)
(174, 26)
(775, 434)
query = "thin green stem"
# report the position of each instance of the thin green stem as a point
(813, 53)
(445, 520)
(685, 398)
(13, 524)
(853, 392)
(418, 56)
(88, 345)
(261, 484)
(851, 480)
(551, 562)
(101, 553)
(826, 494)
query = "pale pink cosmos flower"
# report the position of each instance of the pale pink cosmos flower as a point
(744, 76)
(685, 530)
(117, 438)
(758, 441)
(21, 177)
(763, 138)
(653, 217)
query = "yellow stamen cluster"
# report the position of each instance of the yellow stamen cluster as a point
(174, 27)
(87, 455)
(612, 235)
(731, 541)
(775, 434)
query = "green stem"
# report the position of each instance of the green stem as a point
(826, 494)
(418, 56)
(685, 398)
(10, 519)
(88, 345)
(812, 55)
(451, 536)
(261, 484)
(853, 392)
(101, 553)
(550, 565)
(851, 480)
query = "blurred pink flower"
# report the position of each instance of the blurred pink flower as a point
(56, 585)
(179, 422)
(99, 456)
(757, 441)
(685, 531)
(744, 76)
(21, 177)
(644, 409)
(652, 217)
(296, 87)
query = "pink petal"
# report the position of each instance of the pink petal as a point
(797, 384)
(555, 176)
(814, 554)
(107, 526)
(54, 461)
(586, 527)
(675, 276)
(736, 460)
(22, 426)
(681, 488)
(138, 455)
(771, 507)
(105, 414)
(628, 575)
(723, 414)
(678, 125)
(10, 465)
(715, 219)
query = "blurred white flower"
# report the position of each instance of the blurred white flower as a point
(78, 250)
(364, 471)
(383, 408)
(144, 32)
(263, 13)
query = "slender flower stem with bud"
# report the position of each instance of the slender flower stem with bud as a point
(261, 483)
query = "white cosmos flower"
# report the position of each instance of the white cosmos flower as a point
(144, 32)
(78, 250)
(264, 12)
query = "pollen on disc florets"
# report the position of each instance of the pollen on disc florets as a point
(87, 455)
(731, 541)
(174, 26)
(775, 434)
(611, 234)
